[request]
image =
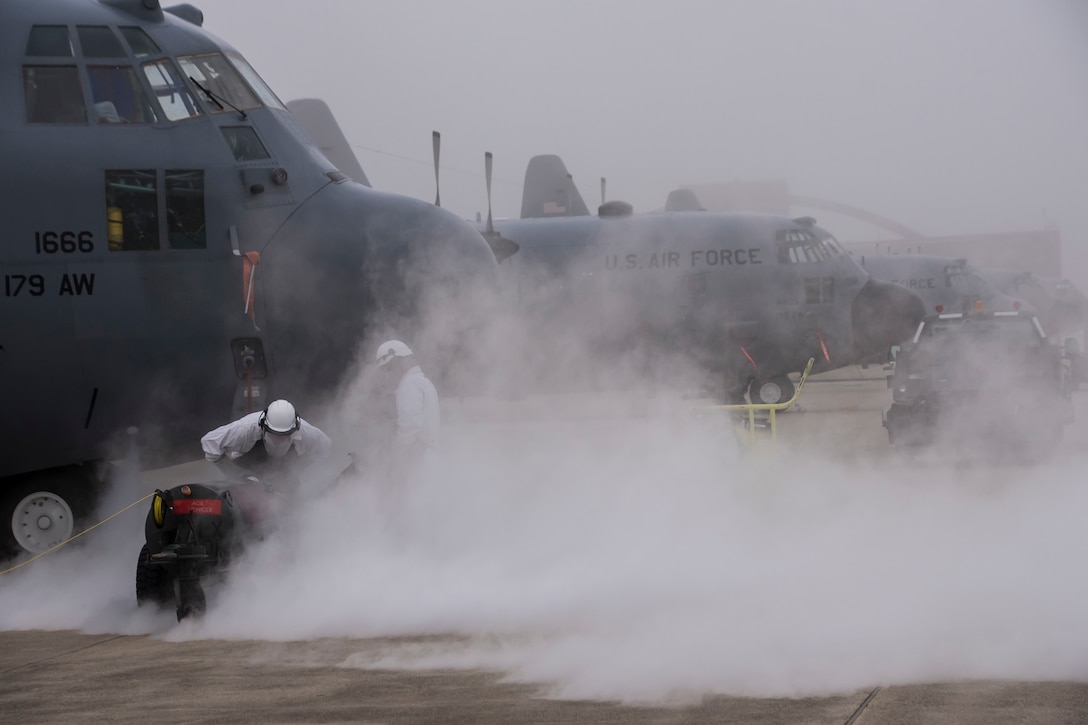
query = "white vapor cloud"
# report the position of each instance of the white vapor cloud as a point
(645, 560)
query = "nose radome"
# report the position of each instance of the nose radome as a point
(353, 264)
(883, 314)
(451, 279)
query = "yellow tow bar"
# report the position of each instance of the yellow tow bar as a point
(770, 408)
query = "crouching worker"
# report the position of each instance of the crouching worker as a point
(261, 443)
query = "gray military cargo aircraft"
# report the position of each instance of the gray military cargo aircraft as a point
(946, 285)
(748, 296)
(178, 250)
(953, 285)
(1061, 306)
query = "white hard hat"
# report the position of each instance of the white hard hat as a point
(280, 417)
(391, 349)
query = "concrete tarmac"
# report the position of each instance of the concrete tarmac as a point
(72, 677)
(67, 677)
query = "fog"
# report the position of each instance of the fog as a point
(620, 543)
(643, 560)
(951, 118)
(626, 545)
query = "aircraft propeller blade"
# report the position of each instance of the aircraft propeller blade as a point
(502, 247)
(487, 175)
(436, 139)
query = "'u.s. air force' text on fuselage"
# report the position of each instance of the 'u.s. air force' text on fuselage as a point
(707, 258)
(695, 258)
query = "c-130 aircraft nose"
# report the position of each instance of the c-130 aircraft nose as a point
(393, 266)
(883, 314)
(181, 249)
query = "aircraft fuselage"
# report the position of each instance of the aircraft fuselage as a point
(945, 285)
(753, 295)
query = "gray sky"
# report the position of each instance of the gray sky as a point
(950, 117)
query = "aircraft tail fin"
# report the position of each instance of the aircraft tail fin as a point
(549, 190)
(316, 119)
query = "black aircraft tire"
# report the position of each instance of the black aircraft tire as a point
(778, 389)
(153, 583)
(191, 601)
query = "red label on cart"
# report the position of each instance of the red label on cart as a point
(198, 506)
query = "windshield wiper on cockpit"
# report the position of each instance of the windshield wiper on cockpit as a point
(216, 99)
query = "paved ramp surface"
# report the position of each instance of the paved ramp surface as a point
(66, 677)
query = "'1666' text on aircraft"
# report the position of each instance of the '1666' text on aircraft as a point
(177, 249)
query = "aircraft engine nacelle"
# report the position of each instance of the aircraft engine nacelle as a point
(883, 314)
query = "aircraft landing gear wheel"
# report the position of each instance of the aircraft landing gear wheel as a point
(773, 390)
(40, 511)
(39, 521)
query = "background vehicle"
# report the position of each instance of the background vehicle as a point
(988, 383)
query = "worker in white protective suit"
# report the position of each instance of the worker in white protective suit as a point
(415, 445)
(260, 442)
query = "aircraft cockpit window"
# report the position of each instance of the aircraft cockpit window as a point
(171, 92)
(132, 211)
(244, 143)
(98, 41)
(267, 96)
(117, 95)
(185, 209)
(53, 94)
(800, 246)
(221, 87)
(51, 41)
(832, 245)
(140, 43)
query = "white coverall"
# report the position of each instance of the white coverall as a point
(238, 438)
(418, 418)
